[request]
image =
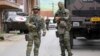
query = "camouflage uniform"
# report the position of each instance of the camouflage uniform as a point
(63, 28)
(34, 34)
(47, 23)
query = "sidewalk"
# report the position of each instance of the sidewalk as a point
(4, 36)
(10, 41)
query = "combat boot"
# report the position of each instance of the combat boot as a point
(70, 54)
(62, 54)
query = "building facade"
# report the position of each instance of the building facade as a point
(28, 5)
(46, 13)
(6, 5)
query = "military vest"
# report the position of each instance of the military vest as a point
(36, 20)
(63, 24)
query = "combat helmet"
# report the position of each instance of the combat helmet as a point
(35, 8)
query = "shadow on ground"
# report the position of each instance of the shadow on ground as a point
(84, 44)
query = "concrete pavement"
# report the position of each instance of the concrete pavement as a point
(15, 45)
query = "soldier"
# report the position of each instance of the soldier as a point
(47, 23)
(35, 23)
(62, 18)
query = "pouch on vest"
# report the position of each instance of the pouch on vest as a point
(62, 24)
(28, 38)
(57, 34)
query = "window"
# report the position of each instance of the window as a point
(86, 13)
(97, 1)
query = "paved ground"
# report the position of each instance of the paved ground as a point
(15, 45)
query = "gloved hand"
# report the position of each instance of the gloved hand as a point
(44, 33)
(32, 26)
(57, 18)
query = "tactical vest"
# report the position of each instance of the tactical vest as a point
(62, 24)
(36, 20)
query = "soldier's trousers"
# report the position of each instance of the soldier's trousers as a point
(47, 26)
(36, 40)
(65, 44)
